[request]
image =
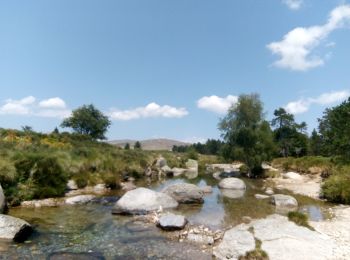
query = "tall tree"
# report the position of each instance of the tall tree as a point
(88, 120)
(137, 145)
(247, 135)
(334, 128)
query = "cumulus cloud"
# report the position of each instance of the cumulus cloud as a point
(150, 110)
(52, 107)
(293, 4)
(302, 105)
(217, 104)
(55, 102)
(295, 50)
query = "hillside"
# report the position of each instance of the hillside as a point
(151, 144)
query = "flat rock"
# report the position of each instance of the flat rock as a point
(2, 200)
(142, 201)
(232, 183)
(261, 196)
(171, 222)
(15, 229)
(282, 239)
(235, 243)
(80, 199)
(75, 256)
(281, 200)
(185, 193)
(293, 176)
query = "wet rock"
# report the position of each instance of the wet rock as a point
(171, 222)
(207, 189)
(15, 229)
(185, 193)
(232, 183)
(71, 185)
(76, 256)
(142, 201)
(235, 243)
(232, 194)
(292, 176)
(285, 201)
(282, 239)
(2, 200)
(261, 196)
(80, 199)
(200, 239)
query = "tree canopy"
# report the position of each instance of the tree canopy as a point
(87, 120)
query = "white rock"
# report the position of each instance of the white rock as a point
(281, 200)
(293, 176)
(80, 199)
(261, 196)
(232, 183)
(172, 222)
(200, 239)
(15, 229)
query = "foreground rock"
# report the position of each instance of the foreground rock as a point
(285, 201)
(15, 229)
(232, 183)
(76, 256)
(2, 200)
(80, 199)
(235, 243)
(280, 238)
(142, 201)
(185, 193)
(172, 222)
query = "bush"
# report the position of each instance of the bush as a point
(337, 187)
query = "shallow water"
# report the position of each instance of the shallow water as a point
(93, 228)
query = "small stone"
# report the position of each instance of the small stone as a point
(171, 222)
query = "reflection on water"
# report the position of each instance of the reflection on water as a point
(93, 228)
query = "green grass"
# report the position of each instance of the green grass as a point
(337, 187)
(306, 164)
(256, 254)
(299, 218)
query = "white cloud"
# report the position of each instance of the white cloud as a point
(151, 110)
(302, 105)
(295, 50)
(217, 104)
(293, 4)
(52, 107)
(55, 102)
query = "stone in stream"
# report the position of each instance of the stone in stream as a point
(235, 243)
(232, 194)
(185, 193)
(285, 201)
(143, 201)
(80, 199)
(261, 196)
(172, 222)
(15, 229)
(2, 201)
(76, 256)
(232, 183)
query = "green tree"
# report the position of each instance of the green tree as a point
(87, 120)
(137, 145)
(248, 137)
(334, 128)
(315, 143)
(127, 146)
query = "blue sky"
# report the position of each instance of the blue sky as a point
(164, 68)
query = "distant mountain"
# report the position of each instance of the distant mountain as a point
(150, 144)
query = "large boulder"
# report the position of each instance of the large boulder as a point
(185, 193)
(142, 201)
(235, 243)
(171, 222)
(232, 183)
(15, 229)
(2, 200)
(284, 201)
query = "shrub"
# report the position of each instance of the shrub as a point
(337, 187)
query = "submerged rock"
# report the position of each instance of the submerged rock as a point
(171, 222)
(232, 194)
(80, 199)
(185, 193)
(232, 183)
(76, 256)
(15, 229)
(2, 200)
(142, 201)
(281, 200)
(235, 243)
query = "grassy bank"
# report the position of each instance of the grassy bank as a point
(35, 165)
